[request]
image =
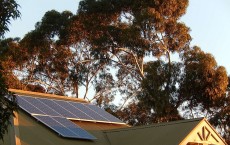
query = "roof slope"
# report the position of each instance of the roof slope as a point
(170, 133)
(55, 112)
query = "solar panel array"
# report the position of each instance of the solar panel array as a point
(67, 109)
(55, 114)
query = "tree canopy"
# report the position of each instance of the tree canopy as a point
(114, 48)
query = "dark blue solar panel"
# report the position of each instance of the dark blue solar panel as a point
(42, 106)
(27, 106)
(60, 109)
(80, 113)
(74, 128)
(57, 127)
(66, 109)
(102, 112)
(88, 111)
(64, 127)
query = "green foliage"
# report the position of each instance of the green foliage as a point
(203, 81)
(8, 10)
(7, 106)
(158, 99)
(204, 87)
(221, 119)
(59, 64)
(46, 58)
(158, 93)
(124, 33)
(11, 57)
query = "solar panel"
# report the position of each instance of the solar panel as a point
(54, 125)
(42, 106)
(78, 113)
(27, 106)
(103, 113)
(54, 113)
(74, 128)
(66, 109)
(88, 111)
(64, 127)
(60, 109)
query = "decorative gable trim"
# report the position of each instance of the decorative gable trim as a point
(203, 134)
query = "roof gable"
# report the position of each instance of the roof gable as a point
(203, 133)
(184, 132)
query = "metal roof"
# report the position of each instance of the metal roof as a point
(169, 133)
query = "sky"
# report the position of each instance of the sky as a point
(209, 21)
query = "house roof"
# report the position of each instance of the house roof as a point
(183, 132)
(57, 113)
(170, 133)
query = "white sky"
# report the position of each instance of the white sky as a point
(209, 21)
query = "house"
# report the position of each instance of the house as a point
(45, 119)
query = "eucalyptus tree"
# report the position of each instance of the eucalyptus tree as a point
(57, 64)
(66, 52)
(204, 83)
(124, 33)
(46, 59)
(205, 89)
(130, 36)
(199, 88)
(155, 103)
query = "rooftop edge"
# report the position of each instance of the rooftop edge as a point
(45, 95)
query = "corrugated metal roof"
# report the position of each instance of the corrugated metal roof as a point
(170, 133)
